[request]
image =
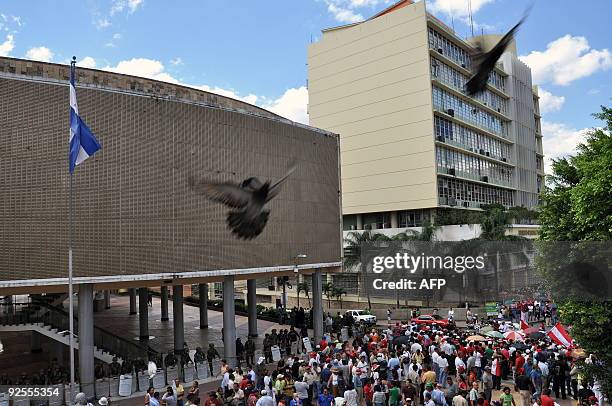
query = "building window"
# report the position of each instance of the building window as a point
(472, 114)
(462, 193)
(383, 220)
(450, 50)
(457, 80)
(458, 135)
(411, 218)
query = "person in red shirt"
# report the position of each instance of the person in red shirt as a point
(368, 392)
(519, 363)
(546, 399)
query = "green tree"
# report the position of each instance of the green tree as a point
(338, 293)
(356, 257)
(328, 291)
(577, 206)
(303, 287)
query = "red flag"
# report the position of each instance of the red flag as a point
(560, 336)
(524, 325)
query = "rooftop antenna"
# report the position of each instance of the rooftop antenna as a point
(471, 18)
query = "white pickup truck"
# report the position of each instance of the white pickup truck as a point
(361, 316)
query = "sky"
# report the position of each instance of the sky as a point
(255, 50)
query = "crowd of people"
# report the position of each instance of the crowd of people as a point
(402, 365)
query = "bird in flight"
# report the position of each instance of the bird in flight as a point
(484, 62)
(246, 200)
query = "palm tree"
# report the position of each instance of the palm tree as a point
(496, 220)
(328, 290)
(337, 293)
(353, 258)
(303, 287)
(426, 234)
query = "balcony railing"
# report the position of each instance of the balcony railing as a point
(471, 176)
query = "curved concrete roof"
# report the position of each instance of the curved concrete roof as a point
(117, 81)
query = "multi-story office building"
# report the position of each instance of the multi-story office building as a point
(412, 140)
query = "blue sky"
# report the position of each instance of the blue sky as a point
(256, 49)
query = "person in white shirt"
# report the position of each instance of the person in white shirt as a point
(414, 347)
(350, 396)
(443, 366)
(265, 399)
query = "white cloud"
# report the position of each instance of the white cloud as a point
(102, 23)
(549, 102)
(116, 36)
(146, 68)
(87, 62)
(120, 5)
(176, 61)
(292, 105)
(344, 15)
(345, 11)
(594, 91)
(456, 8)
(7, 46)
(43, 54)
(17, 20)
(565, 60)
(559, 140)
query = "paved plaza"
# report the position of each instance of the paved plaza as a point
(118, 321)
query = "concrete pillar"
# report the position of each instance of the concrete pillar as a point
(35, 346)
(143, 310)
(394, 220)
(359, 222)
(203, 293)
(107, 299)
(132, 292)
(86, 339)
(164, 303)
(252, 306)
(229, 321)
(177, 319)
(317, 305)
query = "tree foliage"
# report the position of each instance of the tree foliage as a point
(577, 206)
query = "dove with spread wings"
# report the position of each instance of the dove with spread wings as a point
(246, 200)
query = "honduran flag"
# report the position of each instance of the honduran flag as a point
(83, 143)
(560, 336)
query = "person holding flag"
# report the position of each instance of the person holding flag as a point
(559, 335)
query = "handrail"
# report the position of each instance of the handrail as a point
(20, 313)
(148, 350)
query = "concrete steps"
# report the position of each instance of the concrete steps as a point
(60, 336)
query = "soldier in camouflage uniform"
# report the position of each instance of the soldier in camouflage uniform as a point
(211, 354)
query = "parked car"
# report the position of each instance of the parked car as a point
(361, 316)
(429, 319)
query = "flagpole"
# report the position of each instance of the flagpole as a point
(70, 288)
